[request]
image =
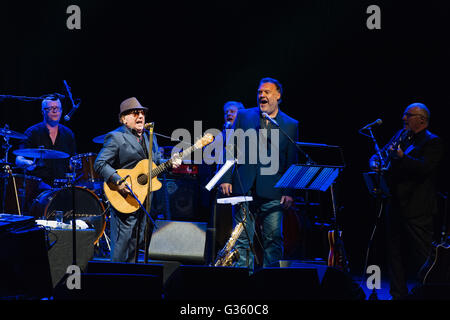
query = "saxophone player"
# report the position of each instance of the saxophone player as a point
(411, 178)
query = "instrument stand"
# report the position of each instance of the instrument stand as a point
(212, 229)
(228, 164)
(242, 202)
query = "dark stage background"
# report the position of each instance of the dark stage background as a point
(185, 59)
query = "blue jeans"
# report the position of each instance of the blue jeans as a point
(270, 214)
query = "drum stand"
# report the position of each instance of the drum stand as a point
(71, 180)
(7, 169)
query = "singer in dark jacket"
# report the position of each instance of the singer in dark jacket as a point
(412, 179)
(258, 178)
(123, 148)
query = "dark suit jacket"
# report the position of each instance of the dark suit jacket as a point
(250, 174)
(412, 179)
(121, 150)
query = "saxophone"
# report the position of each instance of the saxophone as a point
(229, 255)
(389, 155)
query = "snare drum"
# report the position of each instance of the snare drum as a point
(88, 207)
(27, 190)
(85, 173)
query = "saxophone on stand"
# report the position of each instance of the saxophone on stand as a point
(230, 255)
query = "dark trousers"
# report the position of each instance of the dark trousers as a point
(409, 242)
(123, 234)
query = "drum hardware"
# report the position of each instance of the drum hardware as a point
(26, 187)
(99, 139)
(40, 153)
(7, 168)
(7, 134)
(83, 164)
(89, 208)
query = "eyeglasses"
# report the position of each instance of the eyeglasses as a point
(136, 112)
(55, 109)
(408, 115)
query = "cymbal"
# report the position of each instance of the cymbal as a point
(99, 139)
(12, 134)
(41, 153)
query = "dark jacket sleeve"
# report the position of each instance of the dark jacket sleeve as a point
(104, 162)
(425, 163)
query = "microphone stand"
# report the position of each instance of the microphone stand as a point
(378, 192)
(74, 106)
(306, 155)
(28, 99)
(74, 234)
(149, 192)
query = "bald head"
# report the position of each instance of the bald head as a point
(416, 117)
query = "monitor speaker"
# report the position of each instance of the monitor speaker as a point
(178, 241)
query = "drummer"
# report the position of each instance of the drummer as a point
(52, 135)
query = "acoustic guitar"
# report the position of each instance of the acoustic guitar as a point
(439, 264)
(336, 256)
(137, 179)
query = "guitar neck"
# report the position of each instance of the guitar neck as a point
(166, 165)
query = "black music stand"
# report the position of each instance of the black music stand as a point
(308, 177)
(312, 177)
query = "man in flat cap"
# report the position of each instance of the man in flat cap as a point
(123, 148)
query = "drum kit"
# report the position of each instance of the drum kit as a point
(22, 193)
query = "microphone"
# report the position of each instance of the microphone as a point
(375, 123)
(227, 125)
(74, 106)
(70, 114)
(265, 115)
(149, 125)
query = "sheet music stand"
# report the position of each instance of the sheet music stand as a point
(313, 177)
(308, 177)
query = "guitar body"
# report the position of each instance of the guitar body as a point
(138, 181)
